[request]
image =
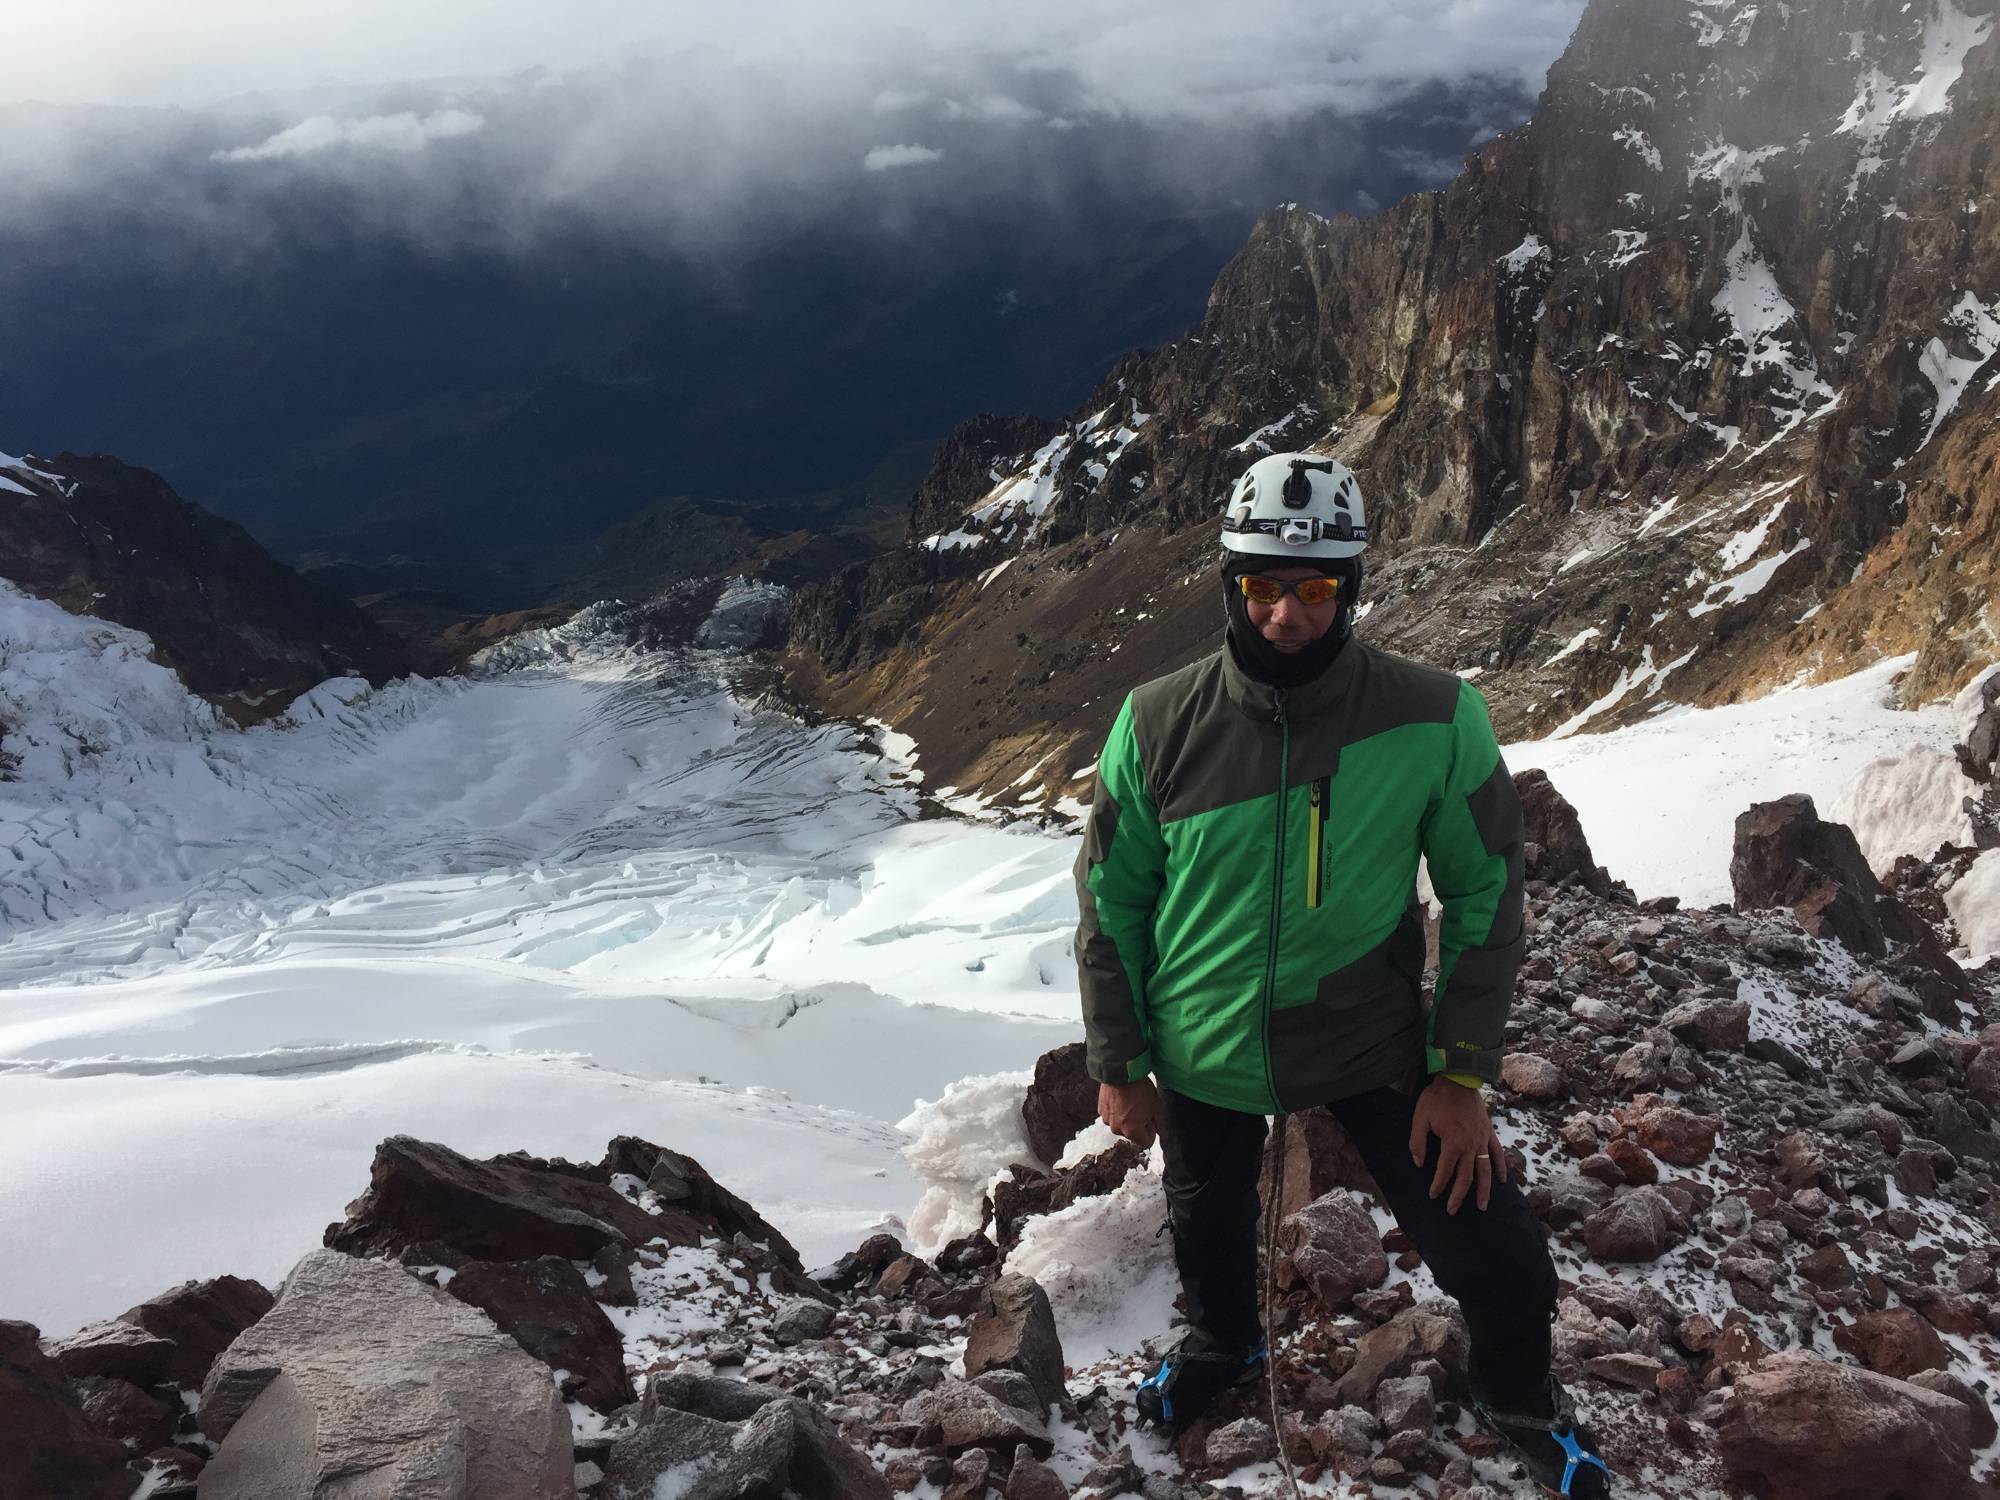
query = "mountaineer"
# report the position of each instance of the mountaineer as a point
(1251, 943)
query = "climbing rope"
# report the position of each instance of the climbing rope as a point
(1270, 1296)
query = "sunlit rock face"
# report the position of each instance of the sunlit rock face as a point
(1679, 391)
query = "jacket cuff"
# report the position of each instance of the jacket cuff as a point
(1129, 1072)
(1481, 1063)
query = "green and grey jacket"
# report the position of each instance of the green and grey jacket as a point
(1247, 884)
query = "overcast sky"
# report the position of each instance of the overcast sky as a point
(1253, 59)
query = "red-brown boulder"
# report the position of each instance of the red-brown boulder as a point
(1802, 1428)
(1332, 1246)
(1061, 1101)
(200, 1319)
(548, 1309)
(1671, 1133)
(1894, 1341)
(47, 1445)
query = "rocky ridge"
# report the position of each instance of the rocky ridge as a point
(1680, 391)
(103, 539)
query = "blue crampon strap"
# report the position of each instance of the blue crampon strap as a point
(1158, 1381)
(1575, 1458)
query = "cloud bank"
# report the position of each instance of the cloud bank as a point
(398, 132)
(888, 158)
(1255, 59)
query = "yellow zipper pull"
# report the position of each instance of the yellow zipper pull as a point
(1317, 821)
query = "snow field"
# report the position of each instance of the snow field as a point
(118, 1185)
(1659, 800)
(530, 910)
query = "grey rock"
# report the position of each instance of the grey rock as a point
(383, 1375)
(1642, 1067)
(1711, 1025)
(1350, 1431)
(1014, 1328)
(1432, 1330)
(1031, 1479)
(1599, 1014)
(1573, 1196)
(783, 1449)
(1014, 1388)
(1531, 1076)
(1769, 1049)
(961, 1415)
(1635, 1227)
(801, 1319)
(1407, 1404)
(711, 1396)
(1244, 1441)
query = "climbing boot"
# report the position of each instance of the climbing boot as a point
(1560, 1453)
(1191, 1377)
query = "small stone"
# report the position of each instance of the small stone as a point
(1600, 1015)
(1531, 1077)
(1633, 1371)
(1604, 1168)
(897, 1276)
(1697, 1332)
(1828, 1267)
(1332, 1247)
(962, 1416)
(1014, 1328)
(1634, 1162)
(800, 1319)
(1389, 1474)
(1407, 1404)
(1580, 1135)
(1671, 1133)
(1984, 1429)
(1244, 1441)
(970, 1472)
(1014, 1388)
(1642, 1067)
(1631, 1229)
(1916, 1173)
(1712, 1025)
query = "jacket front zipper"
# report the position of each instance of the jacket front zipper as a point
(1277, 888)
(1321, 792)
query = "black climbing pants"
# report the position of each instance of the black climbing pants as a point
(1494, 1261)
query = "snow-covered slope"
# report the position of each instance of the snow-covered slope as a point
(584, 893)
(1659, 800)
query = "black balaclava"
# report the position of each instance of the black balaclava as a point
(1257, 656)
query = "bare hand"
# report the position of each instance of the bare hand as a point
(1132, 1110)
(1470, 1154)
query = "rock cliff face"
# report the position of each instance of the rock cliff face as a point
(1682, 390)
(101, 538)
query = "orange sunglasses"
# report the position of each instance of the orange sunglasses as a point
(1260, 590)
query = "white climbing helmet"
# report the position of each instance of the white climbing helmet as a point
(1296, 505)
